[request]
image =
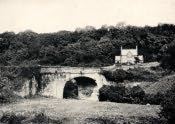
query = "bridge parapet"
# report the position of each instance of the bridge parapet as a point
(72, 70)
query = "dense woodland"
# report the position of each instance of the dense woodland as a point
(88, 46)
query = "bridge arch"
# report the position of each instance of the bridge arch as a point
(81, 87)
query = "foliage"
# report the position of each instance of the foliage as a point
(119, 93)
(85, 47)
(137, 94)
(112, 93)
(13, 78)
(119, 75)
(124, 120)
(135, 74)
(7, 96)
(140, 74)
(40, 118)
(168, 106)
(155, 99)
(168, 56)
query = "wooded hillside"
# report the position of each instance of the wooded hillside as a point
(85, 47)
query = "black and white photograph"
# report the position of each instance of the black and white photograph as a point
(87, 61)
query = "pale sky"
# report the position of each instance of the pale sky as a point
(55, 15)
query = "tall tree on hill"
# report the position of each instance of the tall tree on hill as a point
(168, 56)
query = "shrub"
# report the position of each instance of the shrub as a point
(113, 94)
(118, 75)
(155, 99)
(124, 120)
(12, 80)
(137, 94)
(140, 74)
(7, 96)
(40, 118)
(11, 118)
(136, 74)
(168, 106)
(121, 94)
(7, 88)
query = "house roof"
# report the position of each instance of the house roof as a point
(131, 52)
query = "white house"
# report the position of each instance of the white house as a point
(129, 56)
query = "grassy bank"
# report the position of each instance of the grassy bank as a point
(81, 111)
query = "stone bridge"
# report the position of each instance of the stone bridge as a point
(54, 78)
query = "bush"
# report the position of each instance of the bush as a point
(155, 99)
(124, 120)
(7, 88)
(12, 80)
(137, 94)
(140, 74)
(11, 118)
(113, 94)
(118, 75)
(136, 74)
(168, 106)
(40, 118)
(7, 96)
(121, 94)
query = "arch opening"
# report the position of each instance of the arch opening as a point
(79, 88)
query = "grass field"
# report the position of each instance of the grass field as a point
(81, 111)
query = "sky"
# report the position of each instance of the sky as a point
(55, 15)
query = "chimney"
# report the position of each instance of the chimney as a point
(137, 49)
(121, 50)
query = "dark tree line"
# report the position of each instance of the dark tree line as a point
(87, 47)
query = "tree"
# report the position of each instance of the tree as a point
(168, 56)
(87, 46)
(168, 106)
